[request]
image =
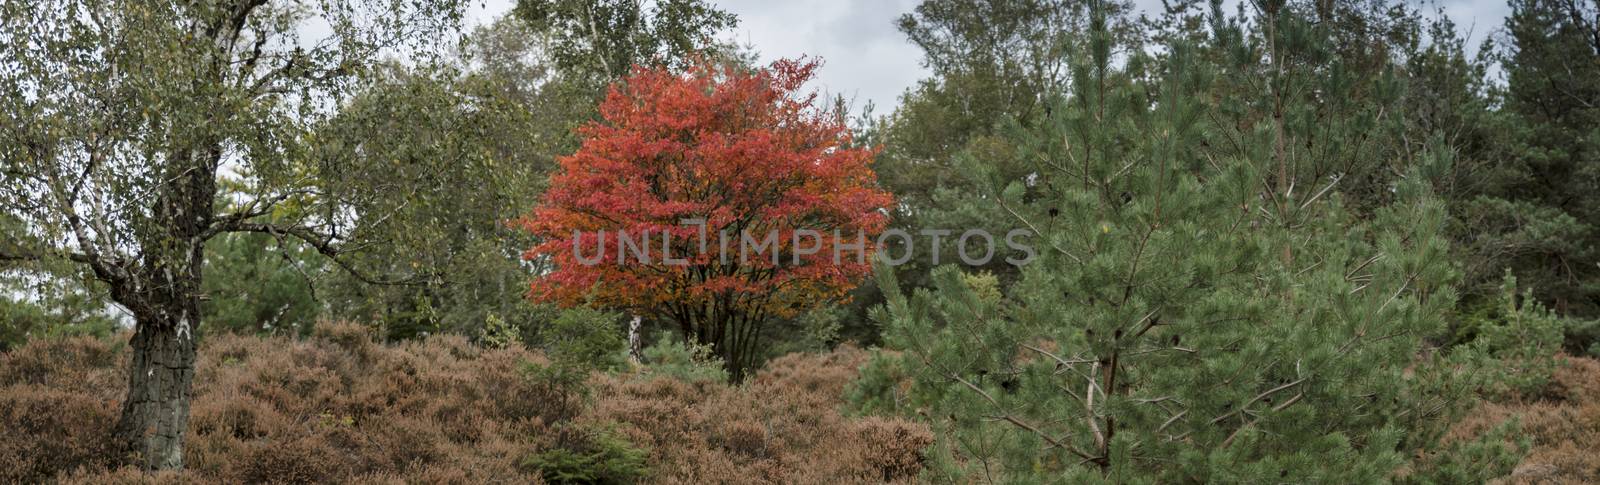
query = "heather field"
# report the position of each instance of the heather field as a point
(336, 407)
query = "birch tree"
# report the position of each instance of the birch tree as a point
(121, 116)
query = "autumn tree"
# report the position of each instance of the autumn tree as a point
(687, 164)
(483, 126)
(121, 118)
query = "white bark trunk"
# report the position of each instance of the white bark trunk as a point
(634, 346)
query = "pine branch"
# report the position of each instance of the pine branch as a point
(1018, 422)
(1263, 395)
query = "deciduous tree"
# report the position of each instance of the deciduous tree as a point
(119, 118)
(746, 152)
(604, 39)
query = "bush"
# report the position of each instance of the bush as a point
(339, 407)
(590, 456)
(672, 357)
(1516, 338)
(1480, 459)
(58, 401)
(62, 431)
(66, 362)
(900, 447)
(1554, 435)
(782, 426)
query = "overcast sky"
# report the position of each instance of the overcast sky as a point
(865, 58)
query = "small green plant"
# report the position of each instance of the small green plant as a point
(985, 285)
(816, 330)
(1480, 460)
(1519, 337)
(590, 456)
(578, 342)
(688, 362)
(584, 337)
(497, 333)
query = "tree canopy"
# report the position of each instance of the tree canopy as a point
(750, 157)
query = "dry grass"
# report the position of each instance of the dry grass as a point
(338, 407)
(782, 427)
(1563, 423)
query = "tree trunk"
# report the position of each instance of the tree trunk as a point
(635, 347)
(163, 293)
(155, 413)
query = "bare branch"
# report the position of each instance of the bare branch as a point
(25, 255)
(325, 244)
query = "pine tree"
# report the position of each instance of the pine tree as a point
(1162, 335)
(992, 64)
(1535, 211)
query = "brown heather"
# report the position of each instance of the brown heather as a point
(1563, 423)
(338, 407)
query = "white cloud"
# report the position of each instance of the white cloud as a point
(864, 56)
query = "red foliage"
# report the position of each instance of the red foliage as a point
(742, 149)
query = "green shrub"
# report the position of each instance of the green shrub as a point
(1518, 338)
(590, 456)
(1480, 460)
(693, 363)
(578, 342)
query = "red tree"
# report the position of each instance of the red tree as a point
(746, 152)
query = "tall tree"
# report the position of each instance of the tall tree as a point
(603, 39)
(121, 116)
(447, 152)
(1534, 212)
(991, 63)
(747, 154)
(1318, 84)
(1161, 336)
